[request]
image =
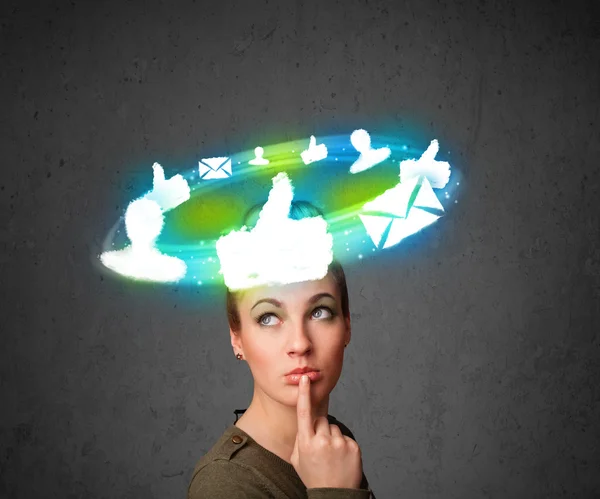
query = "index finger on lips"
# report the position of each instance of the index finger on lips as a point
(303, 408)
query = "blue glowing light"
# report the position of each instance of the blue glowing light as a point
(406, 206)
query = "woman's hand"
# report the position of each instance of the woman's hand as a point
(322, 456)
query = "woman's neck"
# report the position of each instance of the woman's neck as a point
(274, 425)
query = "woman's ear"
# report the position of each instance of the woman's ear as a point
(348, 329)
(235, 340)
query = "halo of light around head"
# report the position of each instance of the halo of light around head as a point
(375, 191)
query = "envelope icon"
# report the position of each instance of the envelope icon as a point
(211, 168)
(400, 212)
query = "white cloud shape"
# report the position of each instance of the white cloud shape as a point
(141, 260)
(278, 250)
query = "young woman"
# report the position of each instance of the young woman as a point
(286, 445)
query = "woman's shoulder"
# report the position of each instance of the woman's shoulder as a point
(224, 449)
(221, 479)
(221, 473)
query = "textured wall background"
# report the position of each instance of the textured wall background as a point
(473, 368)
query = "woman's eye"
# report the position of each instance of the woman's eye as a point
(263, 320)
(318, 313)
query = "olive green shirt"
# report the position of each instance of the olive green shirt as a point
(238, 467)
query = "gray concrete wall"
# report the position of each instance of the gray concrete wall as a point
(473, 368)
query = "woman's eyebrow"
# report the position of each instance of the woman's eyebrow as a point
(279, 304)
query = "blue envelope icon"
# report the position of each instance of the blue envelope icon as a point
(212, 168)
(400, 212)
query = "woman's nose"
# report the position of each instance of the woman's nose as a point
(301, 340)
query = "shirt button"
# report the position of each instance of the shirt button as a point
(236, 439)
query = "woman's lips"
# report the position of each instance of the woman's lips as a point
(294, 379)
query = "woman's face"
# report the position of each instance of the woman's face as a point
(290, 326)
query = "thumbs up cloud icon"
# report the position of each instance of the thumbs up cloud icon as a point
(278, 250)
(314, 152)
(168, 194)
(437, 172)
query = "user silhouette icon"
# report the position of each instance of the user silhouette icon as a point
(258, 157)
(144, 221)
(361, 140)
